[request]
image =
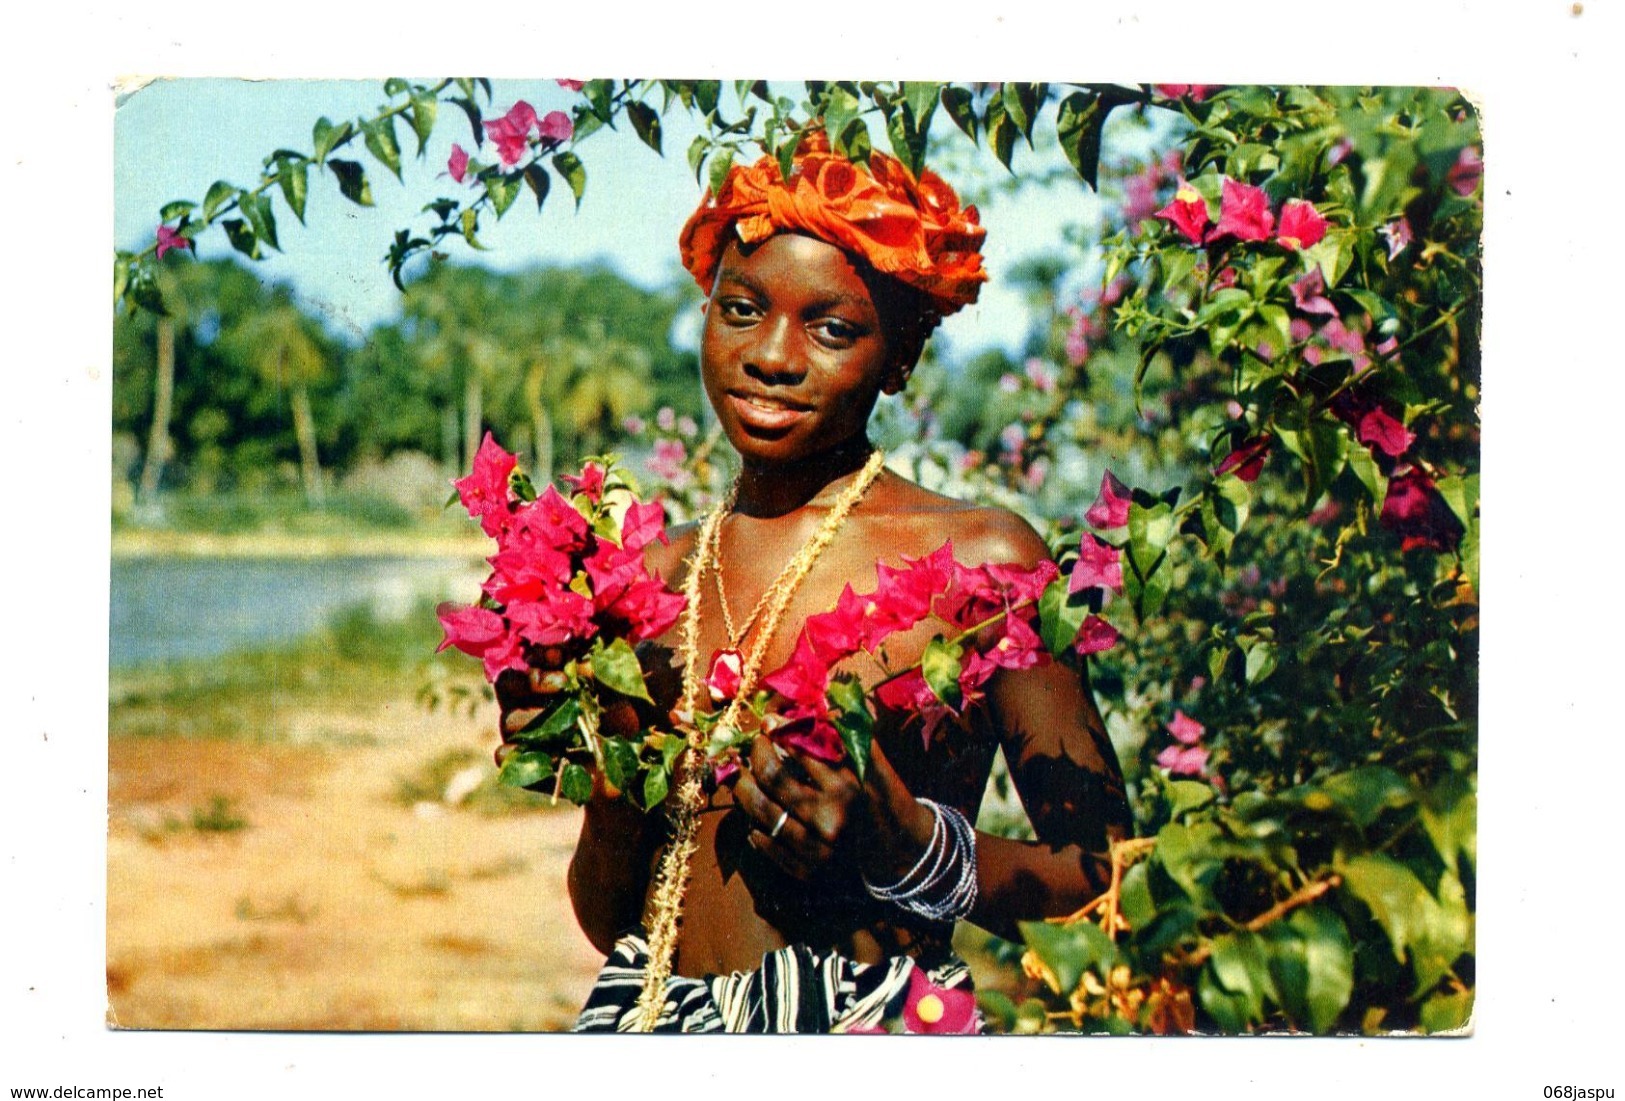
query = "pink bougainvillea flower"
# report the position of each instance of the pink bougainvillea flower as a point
(1309, 295)
(1110, 509)
(1415, 511)
(571, 85)
(1185, 729)
(1041, 375)
(724, 678)
(611, 570)
(1397, 234)
(507, 652)
(1302, 226)
(1009, 383)
(1244, 213)
(522, 571)
(557, 616)
(470, 628)
(555, 126)
(589, 483)
(1373, 425)
(1019, 647)
(484, 492)
(1196, 93)
(1466, 173)
(1246, 461)
(667, 461)
(839, 633)
(644, 523)
(649, 609)
(804, 679)
(1099, 566)
(171, 238)
(511, 132)
(809, 733)
(938, 1010)
(458, 164)
(1184, 760)
(1096, 636)
(1187, 212)
(553, 521)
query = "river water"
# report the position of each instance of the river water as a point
(172, 608)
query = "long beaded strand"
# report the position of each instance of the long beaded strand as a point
(671, 882)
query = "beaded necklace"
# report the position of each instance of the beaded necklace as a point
(671, 881)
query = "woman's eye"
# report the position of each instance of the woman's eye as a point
(835, 331)
(736, 309)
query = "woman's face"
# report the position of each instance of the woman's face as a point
(793, 353)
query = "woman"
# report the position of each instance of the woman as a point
(814, 901)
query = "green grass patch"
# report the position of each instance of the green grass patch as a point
(356, 663)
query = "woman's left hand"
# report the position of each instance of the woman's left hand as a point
(804, 811)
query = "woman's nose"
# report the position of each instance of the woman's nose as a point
(771, 356)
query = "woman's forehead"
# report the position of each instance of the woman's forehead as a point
(794, 262)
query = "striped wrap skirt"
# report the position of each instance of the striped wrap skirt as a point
(795, 990)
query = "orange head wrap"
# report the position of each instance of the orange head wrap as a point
(912, 230)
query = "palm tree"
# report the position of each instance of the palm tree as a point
(280, 343)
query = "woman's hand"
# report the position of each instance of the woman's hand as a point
(804, 813)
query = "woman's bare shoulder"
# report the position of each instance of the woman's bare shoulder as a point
(667, 559)
(980, 533)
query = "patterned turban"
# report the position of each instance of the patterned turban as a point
(913, 230)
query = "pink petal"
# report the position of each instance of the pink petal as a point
(1185, 728)
(1110, 509)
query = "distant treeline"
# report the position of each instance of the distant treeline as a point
(243, 388)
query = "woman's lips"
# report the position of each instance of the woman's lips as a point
(765, 414)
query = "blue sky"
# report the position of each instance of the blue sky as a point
(173, 138)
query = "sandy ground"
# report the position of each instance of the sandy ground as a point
(335, 906)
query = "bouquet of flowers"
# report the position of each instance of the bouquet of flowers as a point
(570, 595)
(568, 598)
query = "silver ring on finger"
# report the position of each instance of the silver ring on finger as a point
(784, 816)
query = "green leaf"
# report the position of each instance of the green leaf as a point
(1366, 792)
(241, 236)
(1069, 950)
(219, 194)
(1434, 931)
(855, 724)
(600, 97)
(1078, 126)
(1225, 506)
(655, 786)
(257, 209)
(326, 137)
(616, 666)
(697, 149)
(620, 762)
(959, 103)
(1134, 895)
(555, 729)
(854, 142)
(841, 110)
(940, 667)
(353, 184)
(721, 161)
(1001, 132)
(144, 291)
(1449, 814)
(576, 784)
(787, 154)
(294, 176)
(1021, 103)
(569, 166)
(1241, 981)
(1187, 795)
(645, 123)
(1176, 265)
(170, 211)
(525, 769)
(468, 226)
(1312, 965)
(1060, 617)
(123, 263)
(997, 1009)
(475, 123)
(394, 86)
(540, 182)
(1448, 1011)
(379, 136)
(1365, 468)
(503, 190)
(425, 108)
(1261, 658)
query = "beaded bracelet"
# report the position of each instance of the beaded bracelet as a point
(950, 858)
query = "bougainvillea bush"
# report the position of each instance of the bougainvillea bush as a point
(1262, 409)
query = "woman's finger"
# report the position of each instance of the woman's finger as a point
(783, 856)
(758, 806)
(780, 775)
